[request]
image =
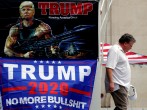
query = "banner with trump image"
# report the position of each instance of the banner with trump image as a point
(49, 52)
(49, 29)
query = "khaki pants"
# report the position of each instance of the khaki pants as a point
(120, 98)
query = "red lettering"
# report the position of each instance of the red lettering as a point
(51, 88)
(33, 89)
(43, 6)
(64, 8)
(43, 88)
(76, 9)
(54, 88)
(54, 8)
(64, 89)
(88, 7)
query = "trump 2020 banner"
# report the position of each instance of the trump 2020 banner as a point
(49, 29)
(46, 85)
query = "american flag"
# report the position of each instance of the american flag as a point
(133, 57)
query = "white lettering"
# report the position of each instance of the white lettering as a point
(50, 99)
(84, 71)
(67, 102)
(46, 72)
(23, 100)
(8, 102)
(70, 71)
(44, 99)
(50, 71)
(26, 100)
(10, 69)
(14, 101)
(28, 69)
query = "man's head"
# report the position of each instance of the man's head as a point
(126, 41)
(27, 10)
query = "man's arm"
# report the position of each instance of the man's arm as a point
(43, 30)
(10, 42)
(110, 79)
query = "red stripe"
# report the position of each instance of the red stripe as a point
(138, 58)
(140, 63)
(104, 55)
(105, 44)
(130, 53)
(80, 92)
(105, 50)
(14, 88)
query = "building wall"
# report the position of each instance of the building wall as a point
(128, 16)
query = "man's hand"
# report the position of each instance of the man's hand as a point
(111, 86)
(29, 54)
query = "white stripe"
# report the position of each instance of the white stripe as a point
(105, 47)
(134, 56)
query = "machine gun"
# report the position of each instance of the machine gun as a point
(40, 44)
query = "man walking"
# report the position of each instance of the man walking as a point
(118, 72)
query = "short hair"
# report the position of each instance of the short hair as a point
(126, 38)
(26, 3)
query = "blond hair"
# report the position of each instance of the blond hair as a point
(26, 3)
